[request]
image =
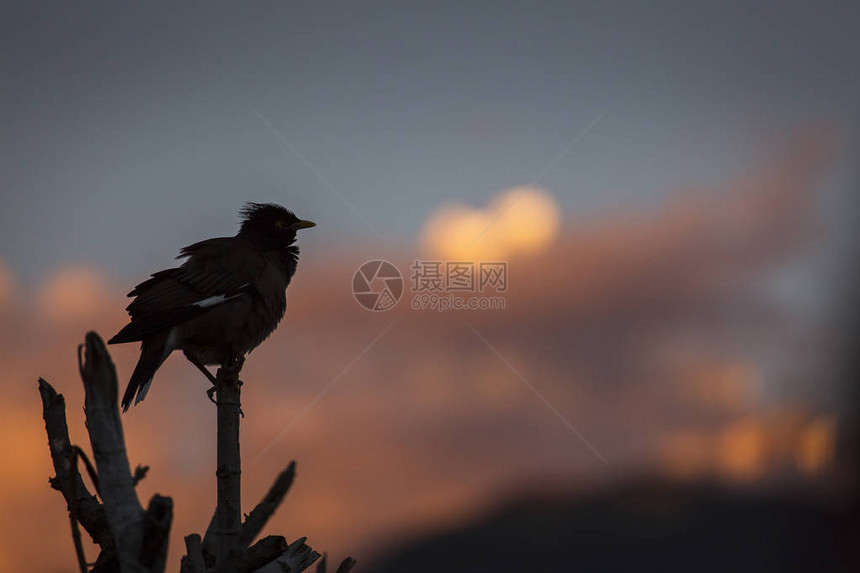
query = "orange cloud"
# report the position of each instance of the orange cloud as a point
(817, 449)
(752, 447)
(741, 450)
(520, 220)
(73, 293)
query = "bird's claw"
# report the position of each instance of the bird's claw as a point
(210, 393)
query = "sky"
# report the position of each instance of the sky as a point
(130, 130)
(673, 186)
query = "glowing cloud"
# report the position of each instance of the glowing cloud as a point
(741, 450)
(521, 220)
(72, 293)
(817, 449)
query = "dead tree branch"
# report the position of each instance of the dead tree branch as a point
(260, 554)
(228, 512)
(298, 557)
(132, 539)
(83, 506)
(260, 515)
(193, 562)
(156, 533)
(124, 513)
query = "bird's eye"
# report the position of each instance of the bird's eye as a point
(281, 225)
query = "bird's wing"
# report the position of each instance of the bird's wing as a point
(217, 271)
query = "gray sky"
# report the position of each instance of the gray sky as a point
(128, 131)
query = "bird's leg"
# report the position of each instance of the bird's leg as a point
(193, 360)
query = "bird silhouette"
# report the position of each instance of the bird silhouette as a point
(221, 303)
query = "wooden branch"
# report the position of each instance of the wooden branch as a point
(255, 523)
(228, 512)
(156, 533)
(298, 557)
(260, 515)
(87, 509)
(260, 554)
(133, 540)
(122, 508)
(106, 563)
(193, 562)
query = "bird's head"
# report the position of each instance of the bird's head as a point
(271, 224)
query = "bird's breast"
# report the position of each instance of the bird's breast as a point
(233, 328)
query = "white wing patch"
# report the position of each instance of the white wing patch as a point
(218, 299)
(211, 301)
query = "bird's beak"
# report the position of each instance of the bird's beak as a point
(304, 225)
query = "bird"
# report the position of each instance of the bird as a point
(225, 299)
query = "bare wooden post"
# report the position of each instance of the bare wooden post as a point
(135, 540)
(260, 515)
(116, 485)
(83, 506)
(130, 538)
(228, 512)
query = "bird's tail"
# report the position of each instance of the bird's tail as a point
(153, 353)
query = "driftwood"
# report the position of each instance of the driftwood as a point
(133, 539)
